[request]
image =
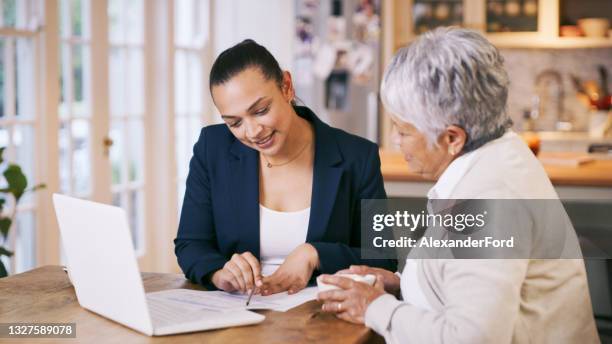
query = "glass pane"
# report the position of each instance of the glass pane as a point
(183, 21)
(9, 73)
(116, 152)
(117, 82)
(195, 126)
(3, 182)
(117, 199)
(4, 142)
(180, 195)
(135, 145)
(76, 16)
(190, 23)
(135, 218)
(16, 80)
(23, 141)
(428, 14)
(4, 138)
(195, 83)
(2, 78)
(86, 18)
(9, 13)
(64, 17)
(64, 158)
(22, 15)
(80, 78)
(183, 151)
(180, 82)
(24, 81)
(196, 87)
(81, 162)
(134, 24)
(512, 15)
(201, 17)
(135, 81)
(65, 82)
(115, 21)
(25, 242)
(190, 131)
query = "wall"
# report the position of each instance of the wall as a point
(523, 65)
(271, 25)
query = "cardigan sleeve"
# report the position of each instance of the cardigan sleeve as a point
(196, 241)
(473, 291)
(337, 256)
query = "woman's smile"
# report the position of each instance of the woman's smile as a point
(265, 142)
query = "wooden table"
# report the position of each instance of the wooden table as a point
(593, 180)
(46, 295)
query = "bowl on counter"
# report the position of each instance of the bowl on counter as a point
(594, 27)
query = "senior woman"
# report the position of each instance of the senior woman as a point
(447, 94)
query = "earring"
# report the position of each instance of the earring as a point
(451, 151)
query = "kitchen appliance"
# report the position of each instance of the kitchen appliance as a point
(336, 65)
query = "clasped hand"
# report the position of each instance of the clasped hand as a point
(242, 273)
(352, 299)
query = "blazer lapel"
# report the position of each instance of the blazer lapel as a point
(326, 179)
(244, 170)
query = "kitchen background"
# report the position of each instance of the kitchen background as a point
(558, 55)
(90, 88)
(552, 50)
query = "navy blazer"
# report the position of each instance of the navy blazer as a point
(220, 214)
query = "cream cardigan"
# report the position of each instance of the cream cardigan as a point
(493, 301)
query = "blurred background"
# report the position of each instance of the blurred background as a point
(104, 99)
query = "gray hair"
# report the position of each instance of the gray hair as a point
(449, 76)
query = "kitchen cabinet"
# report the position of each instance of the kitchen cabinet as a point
(399, 28)
(534, 23)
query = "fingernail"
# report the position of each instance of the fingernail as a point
(258, 283)
(249, 291)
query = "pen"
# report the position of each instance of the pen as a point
(250, 295)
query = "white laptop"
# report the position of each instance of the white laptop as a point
(104, 271)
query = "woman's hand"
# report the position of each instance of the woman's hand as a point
(390, 280)
(242, 273)
(351, 301)
(293, 275)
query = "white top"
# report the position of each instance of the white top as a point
(412, 292)
(410, 286)
(279, 234)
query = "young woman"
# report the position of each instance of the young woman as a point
(273, 195)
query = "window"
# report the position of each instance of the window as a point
(18, 119)
(75, 113)
(190, 41)
(64, 98)
(127, 103)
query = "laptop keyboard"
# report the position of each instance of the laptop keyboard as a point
(164, 313)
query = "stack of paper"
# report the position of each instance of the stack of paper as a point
(222, 301)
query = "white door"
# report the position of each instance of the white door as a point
(101, 110)
(19, 124)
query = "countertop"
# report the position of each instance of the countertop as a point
(594, 173)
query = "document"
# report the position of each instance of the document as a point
(226, 302)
